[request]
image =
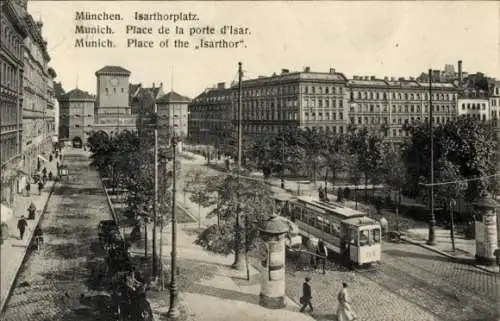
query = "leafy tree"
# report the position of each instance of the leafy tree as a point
(449, 172)
(466, 145)
(367, 150)
(393, 171)
(196, 185)
(336, 157)
(237, 195)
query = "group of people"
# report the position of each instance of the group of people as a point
(344, 310)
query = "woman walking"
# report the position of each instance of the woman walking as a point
(344, 311)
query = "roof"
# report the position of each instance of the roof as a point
(113, 70)
(330, 206)
(360, 221)
(173, 97)
(77, 95)
(359, 82)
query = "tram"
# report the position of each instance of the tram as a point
(346, 232)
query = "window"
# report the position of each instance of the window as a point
(107, 90)
(123, 90)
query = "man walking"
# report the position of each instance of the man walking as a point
(21, 226)
(306, 298)
(344, 311)
(40, 187)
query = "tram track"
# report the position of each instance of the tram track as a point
(459, 286)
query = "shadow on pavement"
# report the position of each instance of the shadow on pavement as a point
(225, 294)
(325, 317)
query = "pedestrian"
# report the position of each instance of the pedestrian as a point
(384, 225)
(322, 254)
(28, 187)
(306, 298)
(344, 311)
(44, 171)
(51, 157)
(44, 179)
(51, 175)
(40, 187)
(21, 226)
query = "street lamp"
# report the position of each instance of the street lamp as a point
(283, 162)
(164, 162)
(453, 203)
(173, 311)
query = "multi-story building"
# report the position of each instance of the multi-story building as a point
(52, 115)
(173, 115)
(293, 99)
(388, 106)
(494, 98)
(476, 108)
(13, 31)
(37, 122)
(113, 112)
(142, 102)
(76, 115)
(210, 115)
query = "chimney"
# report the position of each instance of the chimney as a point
(393, 78)
(372, 77)
(153, 85)
(307, 69)
(285, 71)
(332, 70)
(386, 78)
(39, 25)
(221, 85)
(460, 71)
(161, 85)
(401, 78)
(412, 78)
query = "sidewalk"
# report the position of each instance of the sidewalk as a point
(211, 291)
(13, 250)
(464, 249)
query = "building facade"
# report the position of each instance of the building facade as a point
(13, 31)
(37, 122)
(210, 114)
(327, 101)
(173, 116)
(494, 98)
(113, 111)
(76, 115)
(476, 108)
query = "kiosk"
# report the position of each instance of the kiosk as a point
(486, 230)
(272, 249)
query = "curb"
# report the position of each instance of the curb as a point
(454, 258)
(23, 259)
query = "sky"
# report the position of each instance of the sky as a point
(395, 39)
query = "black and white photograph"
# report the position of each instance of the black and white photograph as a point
(250, 160)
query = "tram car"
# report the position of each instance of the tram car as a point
(345, 232)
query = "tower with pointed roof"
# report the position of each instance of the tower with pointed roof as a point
(113, 112)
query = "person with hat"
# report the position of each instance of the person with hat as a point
(21, 226)
(306, 298)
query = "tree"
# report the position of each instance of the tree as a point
(196, 185)
(336, 157)
(464, 148)
(244, 196)
(367, 149)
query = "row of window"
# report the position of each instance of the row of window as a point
(8, 113)
(311, 102)
(9, 147)
(474, 106)
(10, 76)
(327, 116)
(114, 90)
(401, 96)
(12, 41)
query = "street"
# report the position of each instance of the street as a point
(412, 283)
(52, 279)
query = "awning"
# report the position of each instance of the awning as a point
(43, 158)
(6, 213)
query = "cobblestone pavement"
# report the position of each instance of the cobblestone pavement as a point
(52, 279)
(411, 284)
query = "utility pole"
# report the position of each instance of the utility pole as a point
(432, 222)
(237, 259)
(155, 201)
(283, 161)
(173, 311)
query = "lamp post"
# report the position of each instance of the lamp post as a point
(283, 162)
(173, 311)
(452, 228)
(432, 222)
(163, 161)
